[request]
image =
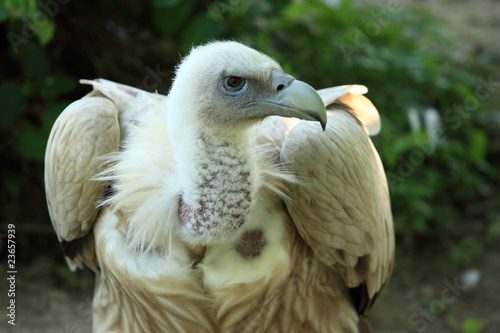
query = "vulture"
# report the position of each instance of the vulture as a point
(242, 201)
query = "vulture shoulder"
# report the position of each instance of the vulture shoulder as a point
(340, 204)
(86, 132)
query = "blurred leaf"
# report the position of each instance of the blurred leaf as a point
(12, 102)
(56, 85)
(467, 250)
(493, 233)
(405, 144)
(169, 16)
(477, 145)
(452, 322)
(201, 29)
(305, 10)
(221, 10)
(34, 62)
(3, 14)
(31, 143)
(12, 187)
(166, 3)
(472, 326)
(44, 31)
(19, 8)
(44, 266)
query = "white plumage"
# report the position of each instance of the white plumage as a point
(220, 215)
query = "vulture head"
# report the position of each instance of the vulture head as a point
(226, 85)
(220, 90)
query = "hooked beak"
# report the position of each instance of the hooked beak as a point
(293, 98)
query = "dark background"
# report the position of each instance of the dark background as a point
(420, 60)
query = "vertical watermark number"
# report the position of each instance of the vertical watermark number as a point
(11, 274)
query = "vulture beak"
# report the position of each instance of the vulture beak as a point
(293, 98)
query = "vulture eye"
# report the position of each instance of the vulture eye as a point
(234, 83)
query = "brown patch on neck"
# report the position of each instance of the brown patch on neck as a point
(251, 244)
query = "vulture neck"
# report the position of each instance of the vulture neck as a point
(218, 183)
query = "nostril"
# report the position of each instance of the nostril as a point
(280, 80)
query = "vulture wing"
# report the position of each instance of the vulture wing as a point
(86, 131)
(342, 207)
(351, 96)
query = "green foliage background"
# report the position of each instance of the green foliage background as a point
(443, 188)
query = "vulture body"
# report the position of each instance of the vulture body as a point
(212, 210)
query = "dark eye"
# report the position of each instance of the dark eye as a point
(234, 83)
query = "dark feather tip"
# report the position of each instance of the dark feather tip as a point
(72, 248)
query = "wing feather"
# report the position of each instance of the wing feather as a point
(341, 205)
(87, 131)
(362, 108)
